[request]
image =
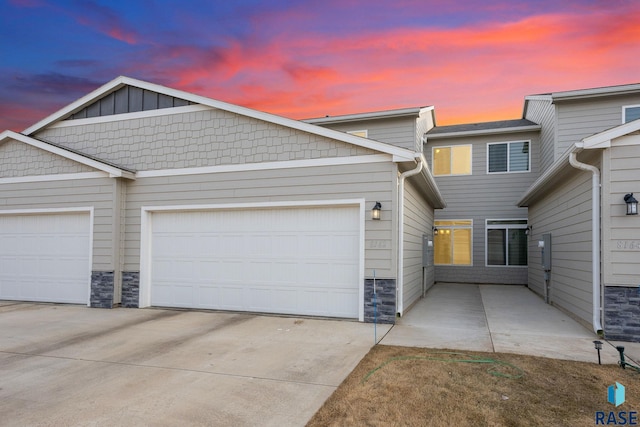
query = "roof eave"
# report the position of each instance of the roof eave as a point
(518, 129)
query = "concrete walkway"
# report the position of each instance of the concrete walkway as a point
(502, 319)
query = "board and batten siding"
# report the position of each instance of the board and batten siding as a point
(372, 182)
(71, 193)
(418, 220)
(398, 131)
(18, 159)
(621, 232)
(565, 212)
(194, 139)
(542, 111)
(481, 196)
(581, 118)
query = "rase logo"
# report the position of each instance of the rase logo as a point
(615, 396)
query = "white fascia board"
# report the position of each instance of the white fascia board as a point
(603, 139)
(387, 114)
(259, 115)
(557, 167)
(113, 171)
(518, 129)
(596, 92)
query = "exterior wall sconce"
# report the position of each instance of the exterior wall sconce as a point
(632, 204)
(435, 230)
(375, 212)
(528, 230)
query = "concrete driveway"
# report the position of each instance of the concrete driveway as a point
(72, 365)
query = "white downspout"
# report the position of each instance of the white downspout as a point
(595, 219)
(400, 274)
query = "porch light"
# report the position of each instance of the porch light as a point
(375, 212)
(598, 345)
(632, 204)
(435, 230)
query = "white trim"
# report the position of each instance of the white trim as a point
(603, 139)
(488, 227)
(130, 116)
(50, 178)
(624, 111)
(528, 141)
(53, 211)
(495, 131)
(287, 164)
(385, 114)
(146, 227)
(111, 170)
(121, 81)
(451, 160)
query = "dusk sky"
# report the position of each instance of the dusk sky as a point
(473, 60)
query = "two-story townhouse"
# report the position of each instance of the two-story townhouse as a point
(590, 152)
(482, 169)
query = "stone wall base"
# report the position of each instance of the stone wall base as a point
(102, 287)
(384, 309)
(622, 313)
(131, 289)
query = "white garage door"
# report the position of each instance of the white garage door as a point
(45, 257)
(284, 260)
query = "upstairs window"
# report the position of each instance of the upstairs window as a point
(453, 160)
(362, 133)
(630, 113)
(508, 157)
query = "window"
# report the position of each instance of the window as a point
(508, 157)
(362, 133)
(452, 242)
(507, 242)
(454, 160)
(630, 113)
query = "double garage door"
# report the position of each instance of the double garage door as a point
(45, 257)
(276, 260)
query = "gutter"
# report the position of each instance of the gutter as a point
(595, 230)
(400, 279)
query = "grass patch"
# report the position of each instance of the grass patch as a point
(414, 386)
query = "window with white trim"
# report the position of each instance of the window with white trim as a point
(451, 160)
(630, 113)
(507, 242)
(508, 157)
(452, 242)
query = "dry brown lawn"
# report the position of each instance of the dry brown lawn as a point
(425, 387)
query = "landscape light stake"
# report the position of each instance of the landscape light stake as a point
(598, 345)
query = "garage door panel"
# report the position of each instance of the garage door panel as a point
(45, 257)
(285, 260)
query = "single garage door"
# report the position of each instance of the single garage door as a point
(45, 257)
(281, 260)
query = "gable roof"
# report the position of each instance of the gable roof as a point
(399, 154)
(113, 170)
(485, 128)
(604, 138)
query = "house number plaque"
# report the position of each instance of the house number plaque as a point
(629, 245)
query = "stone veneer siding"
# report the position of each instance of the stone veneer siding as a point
(102, 287)
(385, 308)
(622, 313)
(130, 289)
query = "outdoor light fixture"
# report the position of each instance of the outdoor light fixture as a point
(528, 230)
(375, 212)
(435, 230)
(598, 345)
(632, 204)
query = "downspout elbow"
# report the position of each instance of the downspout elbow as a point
(595, 245)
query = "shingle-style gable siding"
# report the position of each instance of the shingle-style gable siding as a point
(195, 139)
(543, 112)
(18, 159)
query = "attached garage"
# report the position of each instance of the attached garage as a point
(284, 259)
(45, 257)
